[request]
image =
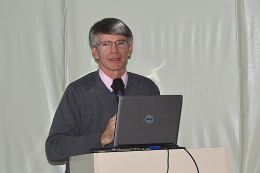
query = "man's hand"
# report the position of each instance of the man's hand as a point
(107, 136)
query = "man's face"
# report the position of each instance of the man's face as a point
(114, 58)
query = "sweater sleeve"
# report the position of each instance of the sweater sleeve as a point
(64, 139)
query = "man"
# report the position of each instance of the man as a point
(86, 115)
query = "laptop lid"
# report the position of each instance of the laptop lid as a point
(147, 120)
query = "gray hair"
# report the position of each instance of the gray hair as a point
(110, 26)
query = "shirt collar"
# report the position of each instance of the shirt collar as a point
(108, 81)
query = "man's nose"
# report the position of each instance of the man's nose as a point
(114, 47)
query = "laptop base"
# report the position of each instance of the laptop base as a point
(175, 147)
(135, 148)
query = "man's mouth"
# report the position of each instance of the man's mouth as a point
(115, 59)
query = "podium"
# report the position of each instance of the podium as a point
(213, 160)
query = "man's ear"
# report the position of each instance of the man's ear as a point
(95, 53)
(130, 49)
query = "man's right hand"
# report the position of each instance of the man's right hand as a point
(107, 136)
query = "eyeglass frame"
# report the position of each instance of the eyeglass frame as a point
(110, 42)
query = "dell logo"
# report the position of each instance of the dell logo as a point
(149, 119)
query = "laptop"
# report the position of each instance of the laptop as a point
(145, 121)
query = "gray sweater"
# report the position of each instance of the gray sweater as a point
(84, 112)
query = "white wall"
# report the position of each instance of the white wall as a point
(206, 50)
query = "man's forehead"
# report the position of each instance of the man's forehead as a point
(105, 37)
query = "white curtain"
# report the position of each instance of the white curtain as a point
(206, 50)
(249, 84)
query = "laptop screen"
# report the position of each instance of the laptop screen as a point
(147, 120)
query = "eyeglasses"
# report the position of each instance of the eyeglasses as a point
(108, 44)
